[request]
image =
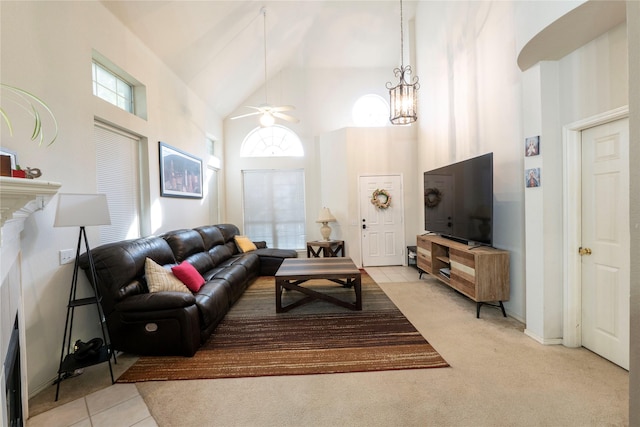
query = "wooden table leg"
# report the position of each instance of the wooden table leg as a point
(278, 296)
(358, 287)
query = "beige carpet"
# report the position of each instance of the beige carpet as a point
(317, 338)
(498, 377)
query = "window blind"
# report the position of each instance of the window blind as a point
(273, 207)
(117, 166)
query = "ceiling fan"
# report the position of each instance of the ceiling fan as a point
(268, 113)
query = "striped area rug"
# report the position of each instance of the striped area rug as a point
(316, 338)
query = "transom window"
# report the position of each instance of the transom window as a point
(112, 88)
(272, 141)
(370, 111)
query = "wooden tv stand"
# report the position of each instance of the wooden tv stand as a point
(478, 272)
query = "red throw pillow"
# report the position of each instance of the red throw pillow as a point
(189, 276)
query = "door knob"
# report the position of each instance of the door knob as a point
(584, 251)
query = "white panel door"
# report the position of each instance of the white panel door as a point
(606, 241)
(382, 231)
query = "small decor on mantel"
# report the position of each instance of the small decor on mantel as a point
(18, 172)
(381, 199)
(29, 173)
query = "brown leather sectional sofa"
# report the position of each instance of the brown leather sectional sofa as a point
(175, 323)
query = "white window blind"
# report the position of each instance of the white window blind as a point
(117, 165)
(274, 207)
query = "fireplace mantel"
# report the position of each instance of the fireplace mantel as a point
(19, 198)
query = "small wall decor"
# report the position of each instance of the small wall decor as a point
(532, 177)
(180, 173)
(381, 199)
(532, 146)
(432, 197)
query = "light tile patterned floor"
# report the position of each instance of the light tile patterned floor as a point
(118, 405)
(396, 274)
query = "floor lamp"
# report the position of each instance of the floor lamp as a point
(82, 210)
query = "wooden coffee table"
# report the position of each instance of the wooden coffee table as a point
(293, 272)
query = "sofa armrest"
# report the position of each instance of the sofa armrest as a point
(261, 244)
(155, 301)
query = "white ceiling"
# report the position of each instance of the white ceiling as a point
(217, 47)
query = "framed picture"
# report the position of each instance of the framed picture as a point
(532, 146)
(532, 177)
(8, 161)
(12, 155)
(180, 173)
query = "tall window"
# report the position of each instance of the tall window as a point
(117, 166)
(274, 207)
(272, 141)
(112, 88)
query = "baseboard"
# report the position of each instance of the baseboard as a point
(543, 341)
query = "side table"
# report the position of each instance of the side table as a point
(325, 248)
(412, 256)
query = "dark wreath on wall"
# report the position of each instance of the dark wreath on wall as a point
(180, 173)
(432, 197)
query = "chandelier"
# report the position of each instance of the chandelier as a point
(403, 96)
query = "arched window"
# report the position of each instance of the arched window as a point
(370, 111)
(272, 141)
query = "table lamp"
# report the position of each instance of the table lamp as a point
(325, 217)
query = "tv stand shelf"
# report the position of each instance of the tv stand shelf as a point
(478, 272)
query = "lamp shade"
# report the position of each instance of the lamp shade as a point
(82, 209)
(326, 216)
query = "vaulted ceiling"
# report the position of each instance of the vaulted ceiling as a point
(217, 47)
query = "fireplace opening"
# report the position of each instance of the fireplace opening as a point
(13, 379)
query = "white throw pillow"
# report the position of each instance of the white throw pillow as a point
(160, 279)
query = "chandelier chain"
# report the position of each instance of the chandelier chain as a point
(401, 38)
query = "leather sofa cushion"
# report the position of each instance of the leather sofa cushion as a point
(219, 254)
(213, 301)
(236, 277)
(184, 243)
(211, 236)
(129, 256)
(201, 261)
(271, 259)
(228, 231)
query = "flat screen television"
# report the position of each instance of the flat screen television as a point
(458, 200)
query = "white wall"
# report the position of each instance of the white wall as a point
(349, 153)
(470, 104)
(474, 99)
(47, 49)
(591, 80)
(323, 99)
(633, 28)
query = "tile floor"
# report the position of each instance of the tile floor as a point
(397, 274)
(117, 405)
(121, 405)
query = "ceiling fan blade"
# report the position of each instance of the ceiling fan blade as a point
(284, 108)
(286, 117)
(246, 115)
